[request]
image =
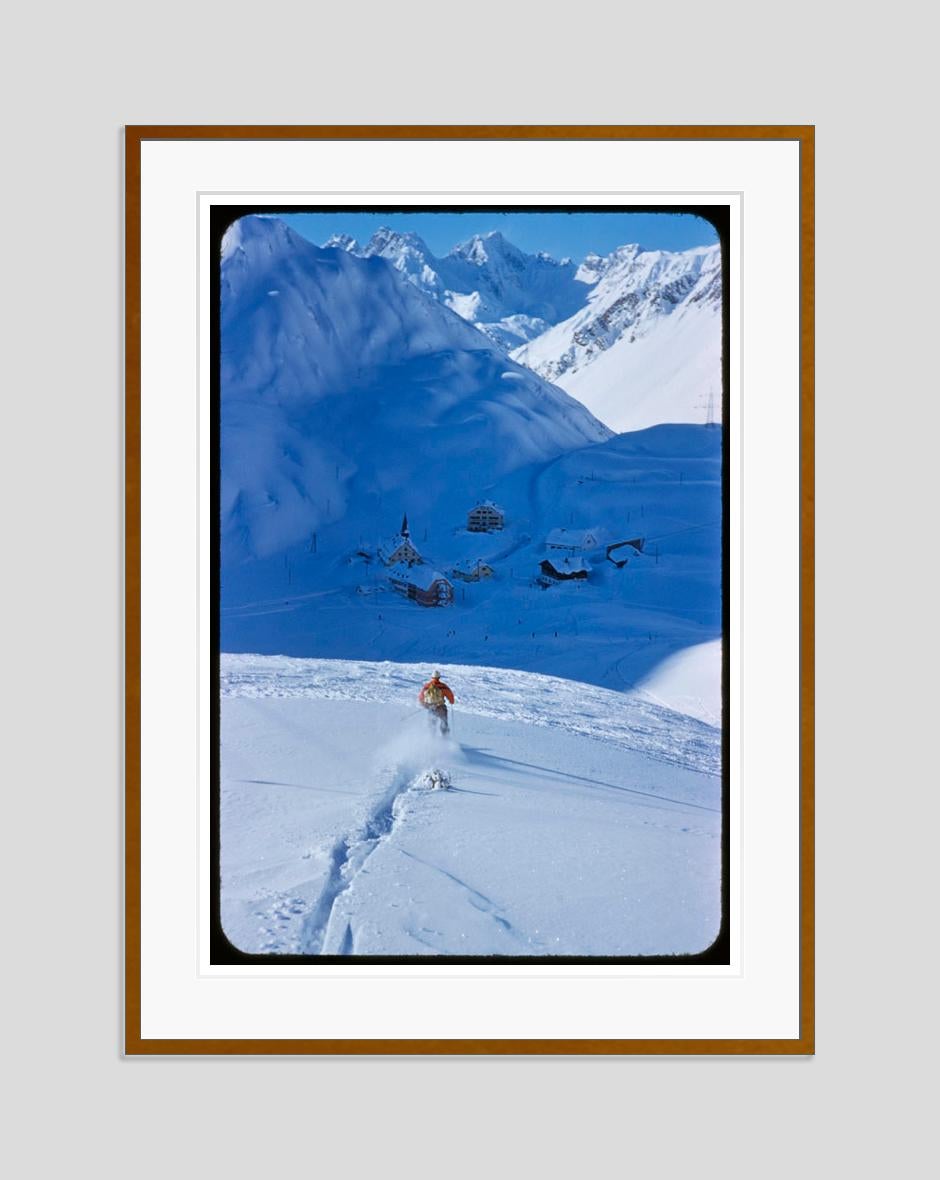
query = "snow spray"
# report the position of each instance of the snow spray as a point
(414, 747)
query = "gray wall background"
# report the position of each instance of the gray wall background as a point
(73, 76)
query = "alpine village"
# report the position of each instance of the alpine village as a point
(570, 554)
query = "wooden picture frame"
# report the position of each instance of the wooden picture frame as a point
(139, 1040)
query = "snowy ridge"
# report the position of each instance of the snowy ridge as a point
(646, 346)
(509, 295)
(327, 360)
(627, 721)
(634, 335)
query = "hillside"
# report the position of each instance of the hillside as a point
(661, 485)
(344, 388)
(574, 827)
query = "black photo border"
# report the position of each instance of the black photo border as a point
(222, 951)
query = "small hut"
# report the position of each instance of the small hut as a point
(472, 571)
(621, 551)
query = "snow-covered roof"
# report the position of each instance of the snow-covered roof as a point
(569, 565)
(575, 538)
(487, 504)
(396, 542)
(421, 576)
(469, 565)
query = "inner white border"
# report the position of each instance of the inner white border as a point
(758, 995)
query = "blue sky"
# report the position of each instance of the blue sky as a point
(559, 234)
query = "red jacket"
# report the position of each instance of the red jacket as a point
(444, 690)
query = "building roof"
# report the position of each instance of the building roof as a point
(568, 565)
(488, 504)
(396, 542)
(469, 566)
(575, 538)
(421, 576)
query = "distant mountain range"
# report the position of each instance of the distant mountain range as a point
(509, 295)
(646, 345)
(635, 335)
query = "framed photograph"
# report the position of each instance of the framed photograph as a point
(469, 568)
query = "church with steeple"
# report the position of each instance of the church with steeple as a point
(400, 548)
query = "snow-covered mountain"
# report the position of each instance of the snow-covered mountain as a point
(342, 384)
(350, 398)
(509, 295)
(646, 346)
(635, 335)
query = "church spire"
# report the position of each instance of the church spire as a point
(404, 526)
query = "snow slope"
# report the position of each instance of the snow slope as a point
(646, 346)
(577, 825)
(663, 485)
(689, 682)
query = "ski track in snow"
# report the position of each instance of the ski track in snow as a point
(625, 720)
(347, 858)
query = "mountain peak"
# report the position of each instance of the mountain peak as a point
(257, 236)
(388, 242)
(482, 248)
(342, 242)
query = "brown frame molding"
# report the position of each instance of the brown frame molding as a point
(134, 1044)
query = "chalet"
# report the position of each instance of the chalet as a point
(486, 517)
(424, 585)
(472, 571)
(565, 569)
(400, 549)
(573, 540)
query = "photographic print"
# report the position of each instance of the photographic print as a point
(469, 574)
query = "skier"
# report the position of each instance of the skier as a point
(433, 697)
